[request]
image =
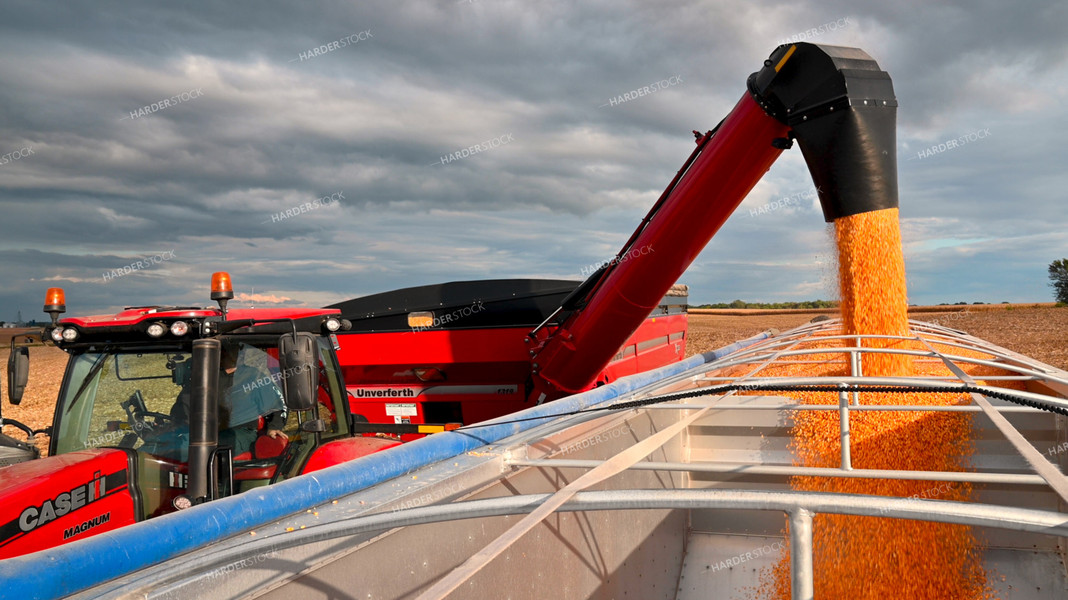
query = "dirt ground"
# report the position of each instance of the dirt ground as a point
(1039, 332)
(39, 401)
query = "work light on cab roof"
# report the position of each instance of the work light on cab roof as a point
(179, 328)
(55, 305)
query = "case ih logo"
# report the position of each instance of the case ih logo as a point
(67, 502)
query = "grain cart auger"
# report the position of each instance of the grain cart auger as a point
(840, 108)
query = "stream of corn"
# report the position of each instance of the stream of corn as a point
(877, 557)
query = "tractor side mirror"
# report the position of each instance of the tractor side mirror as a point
(298, 355)
(18, 373)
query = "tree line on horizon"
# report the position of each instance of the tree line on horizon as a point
(771, 305)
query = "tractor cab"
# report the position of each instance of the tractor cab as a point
(138, 399)
(162, 408)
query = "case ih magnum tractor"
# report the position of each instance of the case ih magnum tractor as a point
(163, 408)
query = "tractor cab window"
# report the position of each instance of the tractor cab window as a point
(116, 399)
(330, 387)
(140, 400)
(251, 404)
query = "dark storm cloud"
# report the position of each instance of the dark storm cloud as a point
(261, 130)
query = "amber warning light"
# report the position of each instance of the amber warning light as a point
(55, 303)
(222, 289)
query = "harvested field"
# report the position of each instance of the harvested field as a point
(1040, 333)
(46, 373)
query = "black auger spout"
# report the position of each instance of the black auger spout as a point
(841, 109)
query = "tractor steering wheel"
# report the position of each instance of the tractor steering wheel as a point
(136, 414)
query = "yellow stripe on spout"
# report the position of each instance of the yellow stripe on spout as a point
(785, 58)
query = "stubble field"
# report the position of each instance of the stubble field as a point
(1038, 331)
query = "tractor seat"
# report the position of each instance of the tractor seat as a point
(265, 447)
(269, 447)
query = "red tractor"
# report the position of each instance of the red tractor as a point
(162, 408)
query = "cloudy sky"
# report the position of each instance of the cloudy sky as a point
(258, 124)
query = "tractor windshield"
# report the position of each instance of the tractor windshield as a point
(109, 398)
(140, 400)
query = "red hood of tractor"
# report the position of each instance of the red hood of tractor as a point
(30, 474)
(54, 500)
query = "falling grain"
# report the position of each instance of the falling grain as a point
(877, 557)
